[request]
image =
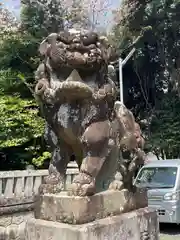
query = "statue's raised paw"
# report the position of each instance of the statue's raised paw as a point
(82, 190)
(116, 185)
(83, 185)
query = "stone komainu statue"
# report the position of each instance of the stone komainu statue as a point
(77, 98)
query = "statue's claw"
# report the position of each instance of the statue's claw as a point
(116, 185)
(83, 185)
(82, 190)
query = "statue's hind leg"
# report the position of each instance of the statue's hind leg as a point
(96, 150)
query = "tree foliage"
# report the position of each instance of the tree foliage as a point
(165, 138)
(151, 78)
(41, 17)
(21, 124)
(19, 121)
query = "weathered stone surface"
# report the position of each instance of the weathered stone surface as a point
(12, 232)
(78, 96)
(12, 226)
(20, 187)
(128, 226)
(78, 210)
(15, 206)
(2, 233)
(5, 221)
(18, 218)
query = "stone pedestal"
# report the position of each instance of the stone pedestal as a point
(79, 210)
(140, 224)
(109, 215)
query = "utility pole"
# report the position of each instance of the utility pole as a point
(121, 65)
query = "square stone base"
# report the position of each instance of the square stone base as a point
(80, 210)
(141, 224)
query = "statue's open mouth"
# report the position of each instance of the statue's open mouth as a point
(73, 88)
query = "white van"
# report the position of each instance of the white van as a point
(162, 179)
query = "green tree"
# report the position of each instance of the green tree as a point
(21, 126)
(151, 77)
(165, 138)
(41, 17)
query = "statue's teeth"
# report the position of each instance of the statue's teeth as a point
(74, 76)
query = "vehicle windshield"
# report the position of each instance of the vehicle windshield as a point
(157, 177)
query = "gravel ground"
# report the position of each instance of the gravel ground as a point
(169, 232)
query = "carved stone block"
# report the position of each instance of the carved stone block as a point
(79, 210)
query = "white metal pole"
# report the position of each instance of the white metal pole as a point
(121, 80)
(128, 56)
(121, 64)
